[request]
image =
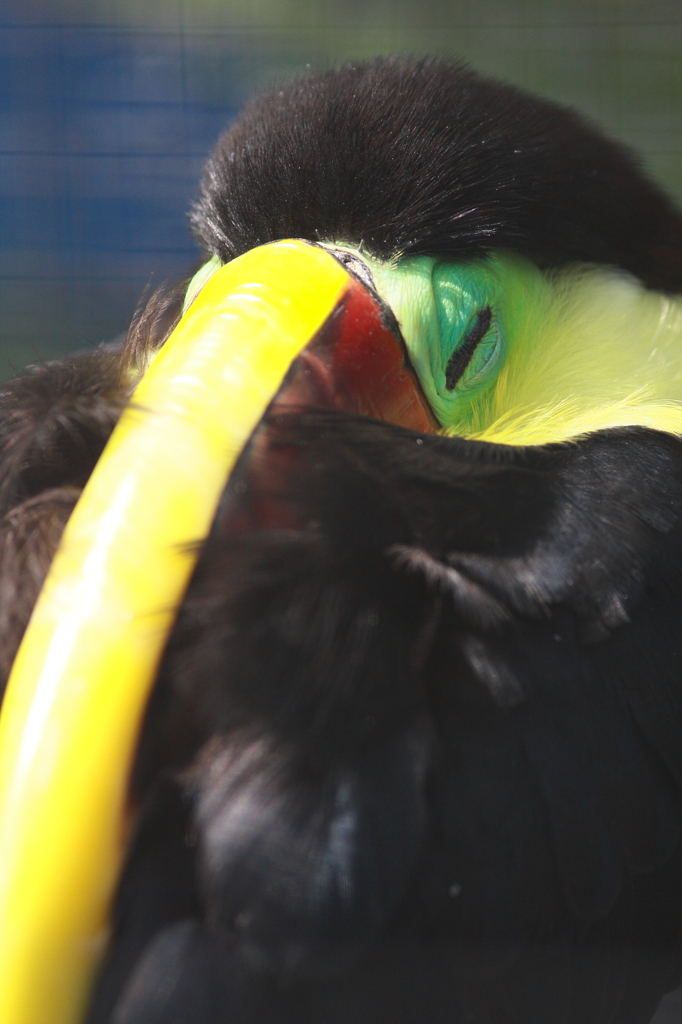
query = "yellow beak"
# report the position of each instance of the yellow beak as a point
(81, 679)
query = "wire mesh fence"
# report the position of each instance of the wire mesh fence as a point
(109, 107)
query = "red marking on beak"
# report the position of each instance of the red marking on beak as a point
(356, 364)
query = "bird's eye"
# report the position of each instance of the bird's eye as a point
(453, 318)
(463, 355)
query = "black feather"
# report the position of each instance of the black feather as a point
(547, 813)
(414, 750)
(427, 157)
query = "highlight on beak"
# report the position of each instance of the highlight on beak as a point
(87, 663)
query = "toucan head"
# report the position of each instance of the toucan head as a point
(401, 240)
(507, 236)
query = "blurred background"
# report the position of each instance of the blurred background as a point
(109, 107)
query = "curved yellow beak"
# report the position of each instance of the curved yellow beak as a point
(82, 677)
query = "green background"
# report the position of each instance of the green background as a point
(108, 108)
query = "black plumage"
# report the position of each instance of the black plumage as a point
(414, 750)
(426, 157)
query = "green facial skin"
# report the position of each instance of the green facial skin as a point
(544, 357)
(202, 277)
(437, 304)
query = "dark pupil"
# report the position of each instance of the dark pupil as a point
(461, 357)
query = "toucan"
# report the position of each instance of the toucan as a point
(413, 749)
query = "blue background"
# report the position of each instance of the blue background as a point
(108, 109)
